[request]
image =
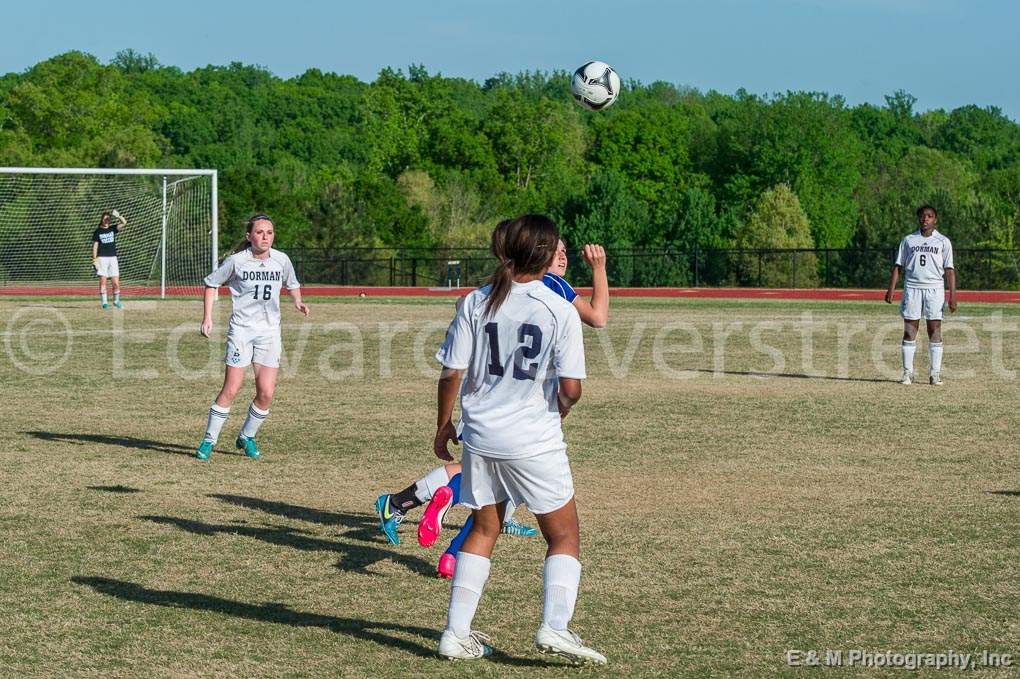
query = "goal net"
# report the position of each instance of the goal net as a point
(48, 216)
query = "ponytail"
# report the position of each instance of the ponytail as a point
(525, 245)
(502, 280)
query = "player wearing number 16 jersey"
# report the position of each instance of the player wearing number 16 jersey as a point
(518, 348)
(255, 275)
(925, 258)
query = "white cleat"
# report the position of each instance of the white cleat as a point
(907, 377)
(567, 644)
(470, 647)
(935, 380)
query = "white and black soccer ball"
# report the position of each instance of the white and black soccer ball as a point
(595, 85)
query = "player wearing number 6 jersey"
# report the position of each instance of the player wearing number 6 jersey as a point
(925, 258)
(255, 274)
(517, 346)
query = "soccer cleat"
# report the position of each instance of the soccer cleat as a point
(118, 305)
(566, 644)
(907, 377)
(389, 519)
(105, 305)
(248, 446)
(432, 522)
(935, 379)
(447, 564)
(470, 647)
(518, 530)
(204, 449)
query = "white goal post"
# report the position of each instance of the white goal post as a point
(48, 215)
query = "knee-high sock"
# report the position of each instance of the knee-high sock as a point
(560, 581)
(458, 540)
(466, 590)
(426, 486)
(256, 416)
(217, 416)
(935, 356)
(908, 348)
(508, 512)
(454, 485)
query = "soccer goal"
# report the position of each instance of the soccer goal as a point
(48, 215)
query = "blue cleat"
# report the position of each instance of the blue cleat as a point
(105, 305)
(389, 519)
(118, 305)
(518, 530)
(248, 446)
(204, 449)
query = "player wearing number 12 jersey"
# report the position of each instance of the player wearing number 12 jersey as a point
(518, 348)
(925, 258)
(255, 275)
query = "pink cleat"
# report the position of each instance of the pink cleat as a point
(432, 523)
(447, 563)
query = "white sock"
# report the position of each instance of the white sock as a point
(508, 513)
(559, 582)
(908, 348)
(116, 295)
(102, 296)
(217, 416)
(256, 416)
(426, 486)
(469, 578)
(935, 356)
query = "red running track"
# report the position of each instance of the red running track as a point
(830, 294)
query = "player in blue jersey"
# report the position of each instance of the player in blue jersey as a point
(441, 486)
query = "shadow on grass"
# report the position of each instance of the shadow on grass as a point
(115, 489)
(280, 614)
(1007, 493)
(362, 527)
(355, 558)
(124, 441)
(798, 376)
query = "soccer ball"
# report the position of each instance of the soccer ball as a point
(595, 85)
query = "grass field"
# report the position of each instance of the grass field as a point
(749, 477)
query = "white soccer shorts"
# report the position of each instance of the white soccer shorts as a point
(928, 302)
(543, 482)
(107, 267)
(245, 347)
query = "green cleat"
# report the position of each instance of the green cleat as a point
(248, 446)
(105, 305)
(118, 305)
(389, 520)
(518, 530)
(204, 449)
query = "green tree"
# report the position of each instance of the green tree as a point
(779, 222)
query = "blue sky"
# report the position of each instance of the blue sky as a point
(947, 53)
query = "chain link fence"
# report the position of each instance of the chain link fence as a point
(977, 269)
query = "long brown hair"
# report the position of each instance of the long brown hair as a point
(525, 245)
(244, 243)
(106, 213)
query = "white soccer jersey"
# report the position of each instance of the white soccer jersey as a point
(513, 361)
(925, 260)
(255, 286)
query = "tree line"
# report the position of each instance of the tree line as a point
(418, 159)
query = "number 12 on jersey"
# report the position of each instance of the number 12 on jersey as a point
(524, 352)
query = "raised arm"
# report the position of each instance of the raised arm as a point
(123, 222)
(596, 312)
